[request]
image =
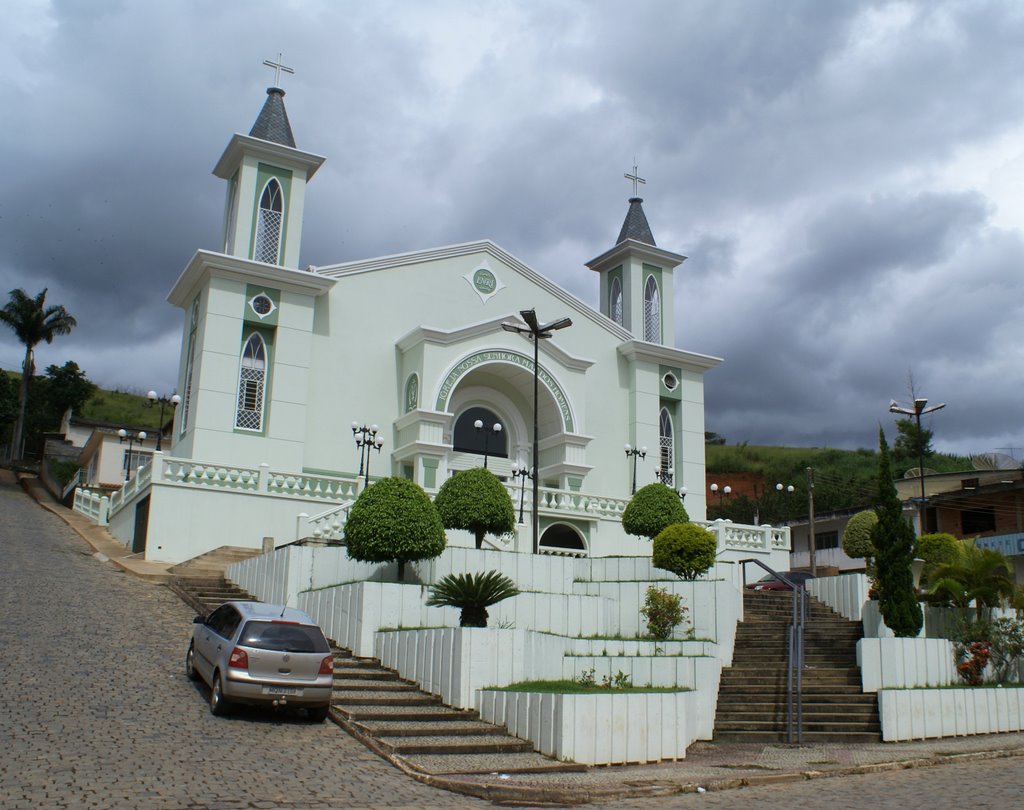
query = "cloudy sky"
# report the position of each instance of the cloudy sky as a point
(845, 177)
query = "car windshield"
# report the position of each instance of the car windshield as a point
(284, 637)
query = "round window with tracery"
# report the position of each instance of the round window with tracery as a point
(670, 381)
(262, 305)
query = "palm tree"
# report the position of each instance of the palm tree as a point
(981, 575)
(32, 322)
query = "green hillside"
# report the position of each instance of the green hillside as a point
(122, 408)
(843, 479)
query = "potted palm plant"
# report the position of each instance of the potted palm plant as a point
(473, 594)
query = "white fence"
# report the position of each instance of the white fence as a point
(914, 714)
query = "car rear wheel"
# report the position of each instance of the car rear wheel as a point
(190, 666)
(318, 714)
(218, 703)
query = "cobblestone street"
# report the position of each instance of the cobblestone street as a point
(98, 712)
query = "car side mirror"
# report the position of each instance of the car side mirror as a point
(199, 620)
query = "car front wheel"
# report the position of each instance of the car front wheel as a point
(218, 703)
(190, 666)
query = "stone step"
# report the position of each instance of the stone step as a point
(524, 762)
(824, 726)
(830, 697)
(807, 737)
(373, 685)
(454, 725)
(457, 744)
(412, 713)
(347, 674)
(367, 697)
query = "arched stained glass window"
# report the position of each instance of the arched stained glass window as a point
(666, 445)
(652, 311)
(615, 301)
(268, 225)
(252, 375)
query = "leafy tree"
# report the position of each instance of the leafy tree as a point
(32, 322)
(8, 399)
(394, 520)
(652, 509)
(912, 443)
(476, 501)
(473, 593)
(685, 549)
(980, 575)
(893, 539)
(68, 388)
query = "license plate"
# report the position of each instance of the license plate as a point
(292, 691)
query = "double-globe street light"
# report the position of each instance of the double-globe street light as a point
(152, 398)
(920, 409)
(635, 452)
(131, 436)
(522, 472)
(495, 429)
(537, 333)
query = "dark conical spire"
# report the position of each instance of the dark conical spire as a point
(635, 225)
(272, 124)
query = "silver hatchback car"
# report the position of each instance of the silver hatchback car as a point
(260, 654)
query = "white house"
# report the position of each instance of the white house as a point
(277, 362)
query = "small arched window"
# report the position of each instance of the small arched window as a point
(252, 376)
(666, 445)
(615, 301)
(268, 225)
(652, 311)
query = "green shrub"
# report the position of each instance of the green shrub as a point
(936, 549)
(857, 535)
(663, 611)
(651, 509)
(64, 471)
(394, 520)
(476, 501)
(473, 593)
(685, 549)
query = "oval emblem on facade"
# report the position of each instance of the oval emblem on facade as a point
(484, 281)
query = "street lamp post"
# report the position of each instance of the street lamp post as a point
(634, 452)
(682, 493)
(920, 409)
(522, 473)
(495, 429)
(721, 492)
(665, 476)
(151, 400)
(131, 437)
(366, 440)
(537, 332)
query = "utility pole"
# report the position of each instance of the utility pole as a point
(810, 519)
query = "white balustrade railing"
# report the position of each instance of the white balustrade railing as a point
(740, 537)
(567, 502)
(92, 505)
(328, 526)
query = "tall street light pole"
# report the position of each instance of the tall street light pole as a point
(152, 398)
(635, 452)
(537, 332)
(920, 409)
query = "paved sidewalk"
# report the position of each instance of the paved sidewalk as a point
(707, 767)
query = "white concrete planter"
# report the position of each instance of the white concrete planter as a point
(597, 729)
(913, 714)
(455, 662)
(901, 663)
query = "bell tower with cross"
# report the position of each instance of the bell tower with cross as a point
(636, 276)
(266, 176)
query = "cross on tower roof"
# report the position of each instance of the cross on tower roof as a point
(278, 67)
(635, 177)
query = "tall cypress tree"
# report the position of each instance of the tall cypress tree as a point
(893, 539)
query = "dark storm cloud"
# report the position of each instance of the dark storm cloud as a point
(804, 155)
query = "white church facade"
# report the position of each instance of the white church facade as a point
(281, 369)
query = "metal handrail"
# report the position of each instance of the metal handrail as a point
(794, 653)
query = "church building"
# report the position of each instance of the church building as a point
(299, 384)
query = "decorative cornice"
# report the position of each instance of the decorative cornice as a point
(205, 263)
(634, 350)
(631, 246)
(264, 150)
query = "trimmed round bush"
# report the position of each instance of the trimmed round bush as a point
(857, 535)
(938, 548)
(685, 549)
(476, 501)
(393, 520)
(653, 508)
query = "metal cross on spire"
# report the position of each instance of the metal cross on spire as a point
(635, 177)
(278, 67)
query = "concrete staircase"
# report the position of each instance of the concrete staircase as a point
(394, 717)
(752, 699)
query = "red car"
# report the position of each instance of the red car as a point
(769, 582)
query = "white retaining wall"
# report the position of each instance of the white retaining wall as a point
(455, 662)
(845, 594)
(598, 729)
(900, 663)
(914, 714)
